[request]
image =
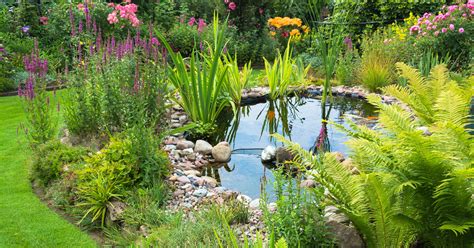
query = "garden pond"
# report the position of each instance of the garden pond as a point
(298, 119)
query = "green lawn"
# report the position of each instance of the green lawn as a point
(24, 220)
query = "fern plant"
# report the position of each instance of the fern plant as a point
(416, 173)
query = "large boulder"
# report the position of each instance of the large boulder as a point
(221, 152)
(282, 155)
(346, 236)
(203, 147)
(268, 154)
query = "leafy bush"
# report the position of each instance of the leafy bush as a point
(153, 162)
(299, 214)
(447, 33)
(415, 174)
(51, 158)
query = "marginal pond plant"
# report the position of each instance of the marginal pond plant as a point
(283, 72)
(200, 81)
(411, 181)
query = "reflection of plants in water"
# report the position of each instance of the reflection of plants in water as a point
(212, 170)
(357, 107)
(280, 113)
(322, 141)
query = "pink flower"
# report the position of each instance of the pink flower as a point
(80, 6)
(444, 30)
(451, 27)
(260, 10)
(201, 25)
(461, 30)
(433, 27)
(232, 6)
(154, 41)
(436, 33)
(191, 21)
(226, 1)
(112, 17)
(43, 20)
(127, 1)
(111, 5)
(414, 28)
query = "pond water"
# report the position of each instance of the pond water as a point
(298, 119)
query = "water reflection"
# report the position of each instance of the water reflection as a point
(298, 119)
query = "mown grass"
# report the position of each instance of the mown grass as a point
(24, 220)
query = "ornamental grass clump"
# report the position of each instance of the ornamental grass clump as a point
(41, 123)
(414, 176)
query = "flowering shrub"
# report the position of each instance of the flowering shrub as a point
(447, 33)
(450, 21)
(126, 12)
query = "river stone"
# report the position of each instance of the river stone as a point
(183, 179)
(282, 155)
(254, 204)
(192, 173)
(203, 147)
(210, 181)
(200, 193)
(346, 236)
(115, 210)
(169, 148)
(338, 155)
(184, 144)
(221, 152)
(187, 151)
(244, 199)
(425, 130)
(308, 183)
(268, 154)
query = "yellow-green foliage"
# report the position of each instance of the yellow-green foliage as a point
(416, 173)
(377, 63)
(104, 177)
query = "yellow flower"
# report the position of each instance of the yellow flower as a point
(272, 33)
(294, 32)
(305, 29)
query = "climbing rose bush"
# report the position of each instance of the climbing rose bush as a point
(125, 11)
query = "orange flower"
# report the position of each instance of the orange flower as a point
(294, 32)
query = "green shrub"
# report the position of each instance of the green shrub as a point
(414, 178)
(346, 68)
(153, 162)
(105, 177)
(145, 206)
(51, 158)
(299, 214)
(183, 38)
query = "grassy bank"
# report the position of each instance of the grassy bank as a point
(24, 220)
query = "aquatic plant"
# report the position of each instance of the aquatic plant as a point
(284, 71)
(200, 84)
(412, 180)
